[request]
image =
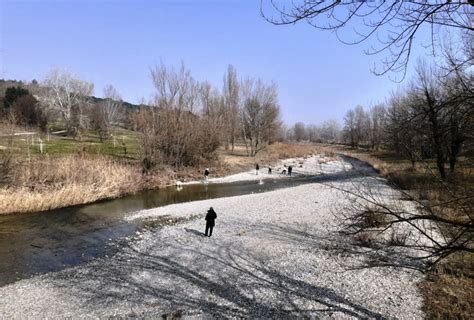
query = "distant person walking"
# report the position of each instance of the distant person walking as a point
(290, 168)
(206, 173)
(269, 170)
(210, 221)
(257, 167)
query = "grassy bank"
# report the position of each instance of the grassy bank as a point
(447, 289)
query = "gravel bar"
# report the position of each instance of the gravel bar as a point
(272, 255)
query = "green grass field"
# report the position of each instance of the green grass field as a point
(126, 144)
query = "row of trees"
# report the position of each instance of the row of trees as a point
(365, 128)
(188, 120)
(328, 132)
(431, 118)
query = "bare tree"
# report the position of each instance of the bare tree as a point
(260, 115)
(457, 84)
(394, 24)
(108, 113)
(231, 102)
(147, 123)
(402, 134)
(176, 99)
(430, 111)
(433, 230)
(362, 123)
(67, 95)
(314, 133)
(299, 131)
(213, 122)
(282, 133)
(330, 131)
(185, 124)
(290, 133)
(350, 129)
(377, 124)
(356, 128)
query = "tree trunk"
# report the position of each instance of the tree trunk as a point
(453, 155)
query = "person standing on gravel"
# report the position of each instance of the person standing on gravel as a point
(211, 216)
(257, 167)
(290, 168)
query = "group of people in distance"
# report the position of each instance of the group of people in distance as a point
(286, 170)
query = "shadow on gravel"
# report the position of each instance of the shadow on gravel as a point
(342, 243)
(195, 232)
(224, 283)
(218, 280)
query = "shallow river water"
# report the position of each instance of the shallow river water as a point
(52, 240)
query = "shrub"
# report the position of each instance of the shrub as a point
(371, 219)
(398, 238)
(365, 239)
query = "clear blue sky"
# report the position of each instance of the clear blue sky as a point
(116, 42)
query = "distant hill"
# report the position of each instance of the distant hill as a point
(127, 105)
(34, 88)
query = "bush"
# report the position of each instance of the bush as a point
(371, 219)
(398, 238)
(28, 112)
(174, 138)
(365, 239)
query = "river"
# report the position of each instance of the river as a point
(52, 240)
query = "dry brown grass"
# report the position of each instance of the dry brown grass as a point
(47, 184)
(447, 291)
(237, 160)
(290, 150)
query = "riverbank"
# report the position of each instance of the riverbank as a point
(306, 166)
(447, 287)
(273, 255)
(43, 183)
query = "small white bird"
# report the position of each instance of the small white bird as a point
(179, 183)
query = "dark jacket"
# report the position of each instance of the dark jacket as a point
(211, 216)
